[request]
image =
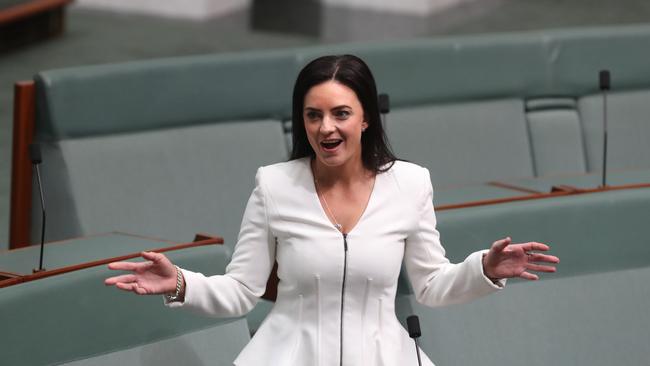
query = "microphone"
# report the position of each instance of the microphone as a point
(384, 106)
(35, 156)
(413, 324)
(604, 83)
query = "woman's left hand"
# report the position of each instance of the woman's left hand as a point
(505, 260)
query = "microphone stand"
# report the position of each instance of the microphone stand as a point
(604, 81)
(35, 152)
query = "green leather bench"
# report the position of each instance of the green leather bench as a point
(599, 319)
(592, 311)
(74, 318)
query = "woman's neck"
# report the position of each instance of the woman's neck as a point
(350, 172)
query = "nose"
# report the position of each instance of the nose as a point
(327, 125)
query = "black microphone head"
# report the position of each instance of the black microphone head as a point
(413, 323)
(604, 80)
(35, 153)
(384, 103)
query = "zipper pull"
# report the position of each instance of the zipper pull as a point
(345, 241)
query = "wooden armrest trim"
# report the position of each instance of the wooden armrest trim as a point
(77, 267)
(27, 9)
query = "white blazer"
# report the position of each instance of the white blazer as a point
(336, 296)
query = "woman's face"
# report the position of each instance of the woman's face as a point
(334, 121)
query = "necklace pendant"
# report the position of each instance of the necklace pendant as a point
(339, 227)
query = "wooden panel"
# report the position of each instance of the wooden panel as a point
(21, 167)
(30, 8)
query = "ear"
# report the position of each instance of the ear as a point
(364, 125)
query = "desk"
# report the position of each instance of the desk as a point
(74, 251)
(521, 189)
(450, 196)
(79, 253)
(583, 181)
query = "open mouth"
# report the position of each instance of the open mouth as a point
(330, 144)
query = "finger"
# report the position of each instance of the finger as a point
(538, 257)
(153, 256)
(122, 266)
(500, 245)
(140, 290)
(536, 246)
(529, 276)
(126, 286)
(128, 278)
(540, 268)
(130, 266)
(132, 287)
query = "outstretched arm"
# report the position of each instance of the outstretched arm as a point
(232, 294)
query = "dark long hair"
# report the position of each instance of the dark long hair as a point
(352, 72)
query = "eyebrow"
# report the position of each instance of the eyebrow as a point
(337, 107)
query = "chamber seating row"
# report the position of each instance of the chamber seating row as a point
(593, 311)
(179, 139)
(167, 148)
(74, 319)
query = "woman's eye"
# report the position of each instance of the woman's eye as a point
(342, 114)
(311, 115)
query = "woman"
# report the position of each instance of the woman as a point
(339, 217)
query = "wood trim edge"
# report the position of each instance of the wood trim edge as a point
(541, 196)
(77, 267)
(513, 187)
(21, 11)
(21, 167)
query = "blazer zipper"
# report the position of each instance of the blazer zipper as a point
(345, 269)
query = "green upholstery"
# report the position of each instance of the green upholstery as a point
(256, 317)
(593, 311)
(628, 130)
(74, 316)
(591, 232)
(599, 319)
(452, 69)
(555, 136)
(155, 94)
(216, 345)
(168, 183)
(575, 56)
(464, 143)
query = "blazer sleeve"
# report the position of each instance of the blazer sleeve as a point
(436, 281)
(237, 291)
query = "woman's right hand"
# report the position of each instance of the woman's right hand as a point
(156, 276)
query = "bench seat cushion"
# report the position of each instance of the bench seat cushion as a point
(165, 183)
(464, 143)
